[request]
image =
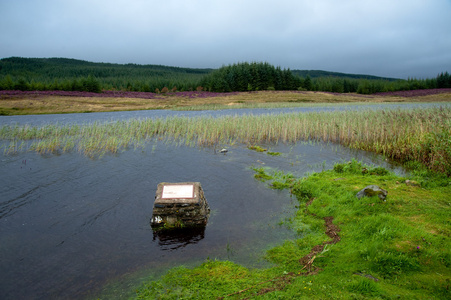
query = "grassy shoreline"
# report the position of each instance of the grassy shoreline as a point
(399, 248)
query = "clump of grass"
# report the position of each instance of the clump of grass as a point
(279, 180)
(394, 249)
(274, 153)
(261, 149)
(261, 174)
(14, 147)
(257, 148)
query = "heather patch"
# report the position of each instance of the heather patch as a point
(115, 94)
(415, 93)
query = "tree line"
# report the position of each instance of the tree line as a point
(75, 75)
(250, 77)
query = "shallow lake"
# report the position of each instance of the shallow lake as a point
(104, 117)
(72, 227)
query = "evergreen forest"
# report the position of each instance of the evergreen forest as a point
(43, 74)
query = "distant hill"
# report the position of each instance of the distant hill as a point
(41, 74)
(72, 74)
(319, 73)
(72, 68)
(67, 67)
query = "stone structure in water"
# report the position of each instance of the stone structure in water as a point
(180, 205)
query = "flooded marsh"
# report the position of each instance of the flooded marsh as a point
(71, 224)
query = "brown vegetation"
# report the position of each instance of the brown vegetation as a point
(40, 104)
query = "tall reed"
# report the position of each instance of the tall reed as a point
(420, 134)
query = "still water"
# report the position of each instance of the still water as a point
(105, 117)
(72, 227)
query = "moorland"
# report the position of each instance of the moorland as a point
(347, 248)
(60, 85)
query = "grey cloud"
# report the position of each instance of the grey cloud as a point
(405, 38)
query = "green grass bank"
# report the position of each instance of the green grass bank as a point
(347, 248)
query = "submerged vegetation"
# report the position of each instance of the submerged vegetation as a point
(347, 248)
(406, 135)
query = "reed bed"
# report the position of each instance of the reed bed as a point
(421, 135)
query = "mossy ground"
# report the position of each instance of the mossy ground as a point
(400, 248)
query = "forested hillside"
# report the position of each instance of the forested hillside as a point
(43, 74)
(320, 73)
(71, 74)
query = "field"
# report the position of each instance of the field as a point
(45, 102)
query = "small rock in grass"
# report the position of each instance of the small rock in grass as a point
(372, 190)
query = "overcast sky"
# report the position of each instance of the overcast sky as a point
(392, 38)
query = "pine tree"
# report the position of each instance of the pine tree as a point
(7, 83)
(307, 83)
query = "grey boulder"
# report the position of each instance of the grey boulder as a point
(372, 190)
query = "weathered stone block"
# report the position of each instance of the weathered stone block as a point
(180, 205)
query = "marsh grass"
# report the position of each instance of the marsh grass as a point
(421, 135)
(385, 250)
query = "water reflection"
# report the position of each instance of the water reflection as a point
(178, 238)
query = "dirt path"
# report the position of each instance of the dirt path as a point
(331, 231)
(306, 262)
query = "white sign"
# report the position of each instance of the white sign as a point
(178, 191)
